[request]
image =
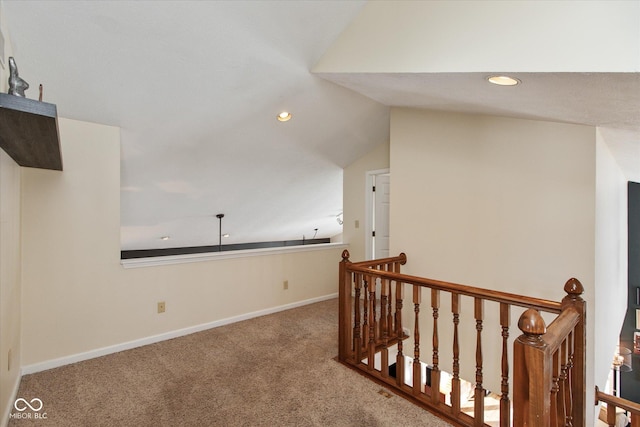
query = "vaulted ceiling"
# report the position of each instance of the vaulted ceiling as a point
(196, 87)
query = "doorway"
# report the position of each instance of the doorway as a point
(377, 221)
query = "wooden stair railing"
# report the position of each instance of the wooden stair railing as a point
(548, 363)
(613, 403)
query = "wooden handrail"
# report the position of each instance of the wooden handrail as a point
(548, 363)
(613, 403)
(486, 294)
(560, 328)
(401, 259)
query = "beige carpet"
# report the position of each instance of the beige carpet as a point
(276, 370)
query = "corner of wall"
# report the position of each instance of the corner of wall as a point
(610, 289)
(354, 183)
(10, 262)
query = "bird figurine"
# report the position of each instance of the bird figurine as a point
(17, 86)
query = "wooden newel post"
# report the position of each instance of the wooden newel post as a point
(344, 315)
(577, 354)
(531, 375)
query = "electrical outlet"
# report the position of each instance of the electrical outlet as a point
(406, 331)
(285, 285)
(161, 307)
(357, 224)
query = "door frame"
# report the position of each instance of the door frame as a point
(369, 208)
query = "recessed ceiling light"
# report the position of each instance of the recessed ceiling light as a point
(164, 238)
(503, 80)
(225, 235)
(285, 116)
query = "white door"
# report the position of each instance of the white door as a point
(381, 203)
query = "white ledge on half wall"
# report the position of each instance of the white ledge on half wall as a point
(214, 256)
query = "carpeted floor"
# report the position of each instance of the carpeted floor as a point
(276, 370)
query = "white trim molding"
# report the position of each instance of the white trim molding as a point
(215, 256)
(74, 358)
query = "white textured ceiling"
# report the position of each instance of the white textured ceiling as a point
(196, 86)
(610, 101)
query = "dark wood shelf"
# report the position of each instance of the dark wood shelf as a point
(29, 132)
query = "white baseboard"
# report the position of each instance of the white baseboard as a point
(9, 408)
(67, 360)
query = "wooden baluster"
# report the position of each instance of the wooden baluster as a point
(562, 393)
(568, 393)
(417, 377)
(345, 331)
(357, 327)
(373, 313)
(435, 371)
(478, 410)
(505, 407)
(390, 326)
(611, 414)
(373, 308)
(455, 381)
(384, 328)
(395, 268)
(555, 378)
(372, 323)
(384, 301)
(400, 334)
(365, 314)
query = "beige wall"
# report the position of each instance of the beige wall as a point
(488, 201)
(10, 285)
(10, 290)
(354, 191)
(80, 299)
(498, 203)
(70, 246)
(610, 294)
